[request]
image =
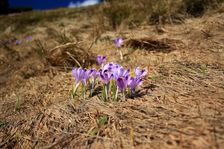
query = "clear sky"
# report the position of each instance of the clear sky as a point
(48, 4)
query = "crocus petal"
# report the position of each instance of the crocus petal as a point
(29, 38)
(134, 82)
(17, 42)
(118, 42)
(121, 83)
(86, 76)
(101, 59)
(94, 73)
(78, 73)
(140, 72)
(105, 77)
(126, 73)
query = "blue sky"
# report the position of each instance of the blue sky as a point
(48, 4)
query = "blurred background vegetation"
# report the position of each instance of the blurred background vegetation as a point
(155, 11)
(113, 13)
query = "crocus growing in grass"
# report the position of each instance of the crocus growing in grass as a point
(78, 73)
(29, 38)
(140, 72)
(81, 75)
(121, 84)
(86, 76)
(109, 67)
(115, 79)
(119, 71)
(94, 73)
(118, 42)
(105, 76)
(115, 69)
(133, 82)
(101, 59)
(17, 42)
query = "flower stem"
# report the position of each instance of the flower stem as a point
(104, 93)
(113, 88)
(92, 88)
(108, 90)
(116, 94)
(84, 91)
(132, 93)
(74, 90)
(123, 94)
(121, 54)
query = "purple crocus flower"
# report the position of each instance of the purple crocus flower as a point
(86, 76)
(121, 84)
(133, 82)
(118, 42)
(119, 71)
(101, 59)
(140, 72)
(108, 66)
(94, 73)
(105, 76)
(126, 73)
(78, 73)
(29, 38)
(17, 42)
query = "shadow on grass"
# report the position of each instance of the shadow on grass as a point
(144, 91)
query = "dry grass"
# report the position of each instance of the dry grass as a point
(180, 104)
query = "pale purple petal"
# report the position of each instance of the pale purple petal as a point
(101, 59)
(105, 76)
(29, 38)
(120, 82)
(78, 73)
(140, 72)
(17, 42)
(118, 42)
(86, 76)
(94, 73)
(134, 82)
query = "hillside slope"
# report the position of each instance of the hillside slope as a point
(179, 105)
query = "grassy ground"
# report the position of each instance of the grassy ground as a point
(180, 104)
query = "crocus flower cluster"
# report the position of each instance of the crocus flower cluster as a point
(112, 76)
